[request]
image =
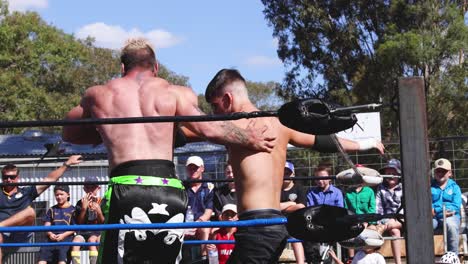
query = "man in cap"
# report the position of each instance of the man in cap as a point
(15, 201)
(446, 192)
(200, 198)
(388, 200)
(293, 197)
(88, 212)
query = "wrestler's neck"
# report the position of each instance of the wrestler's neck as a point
(243, 106)
(139, 74)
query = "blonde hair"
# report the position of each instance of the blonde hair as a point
(137, 52)
(136, 44)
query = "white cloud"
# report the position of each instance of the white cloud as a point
(111, 36)
(262, 61)
(23, 5)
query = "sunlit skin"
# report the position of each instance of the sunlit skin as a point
(194, 172)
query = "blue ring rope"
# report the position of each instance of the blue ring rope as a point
(87, 244)
(242, 223)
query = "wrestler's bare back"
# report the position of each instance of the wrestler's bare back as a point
(132, 97)
(259, 175)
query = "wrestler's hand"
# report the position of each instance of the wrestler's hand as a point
(371, 143)
(380, 147)
(260, 139)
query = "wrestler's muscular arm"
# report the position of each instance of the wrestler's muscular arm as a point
(304, 140)
(221, 132)
(82, 134)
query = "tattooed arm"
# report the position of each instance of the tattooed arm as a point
(220, 132)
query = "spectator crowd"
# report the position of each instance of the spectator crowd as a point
(210, 203)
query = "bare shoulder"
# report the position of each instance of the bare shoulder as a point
(184, 93)
(94, 90)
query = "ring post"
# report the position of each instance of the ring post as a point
(416, 180)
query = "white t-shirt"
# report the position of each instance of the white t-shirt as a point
(372, 258)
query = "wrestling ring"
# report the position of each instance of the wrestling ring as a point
(414, 158)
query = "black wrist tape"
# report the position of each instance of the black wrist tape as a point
(324, 143)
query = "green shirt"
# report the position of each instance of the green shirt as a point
(362, 202)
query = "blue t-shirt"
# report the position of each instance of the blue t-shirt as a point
(60, 216)
(10, 205)
(333, 196)
(200, 200)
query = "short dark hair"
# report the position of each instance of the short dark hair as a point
(138, 53)
(10, 167)
(220, 80)
(323, 167)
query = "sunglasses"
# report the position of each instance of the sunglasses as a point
(11, 177)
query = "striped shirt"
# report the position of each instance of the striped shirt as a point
(388, 201)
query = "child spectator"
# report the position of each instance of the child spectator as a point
(359, 200)
(229, 213)
(59, 214)
(88, 211)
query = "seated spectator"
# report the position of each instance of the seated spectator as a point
(59, 214)
(292, 199)
(88, 212)
(226, 193)
(15, 202)
(359, 200)
(388, 200)
(228, 213)
(200, 199)
(446, 191)
(324, 193)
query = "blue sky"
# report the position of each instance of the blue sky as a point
(192, 38)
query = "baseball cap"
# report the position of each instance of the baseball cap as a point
(194, 160)
(290, 166)
(91, 178)
(443, 164)
(393, 163)
(64, 188)
(228, 207)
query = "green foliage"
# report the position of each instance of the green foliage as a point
(354, 52)
(264, 95)
(44, 71)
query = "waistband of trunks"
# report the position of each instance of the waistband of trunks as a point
(146, 181)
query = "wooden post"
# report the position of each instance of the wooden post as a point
(416, 171)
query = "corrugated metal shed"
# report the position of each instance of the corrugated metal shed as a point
(31, 144)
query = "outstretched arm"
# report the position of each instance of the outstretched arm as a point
(326, 144)
(57, 173)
